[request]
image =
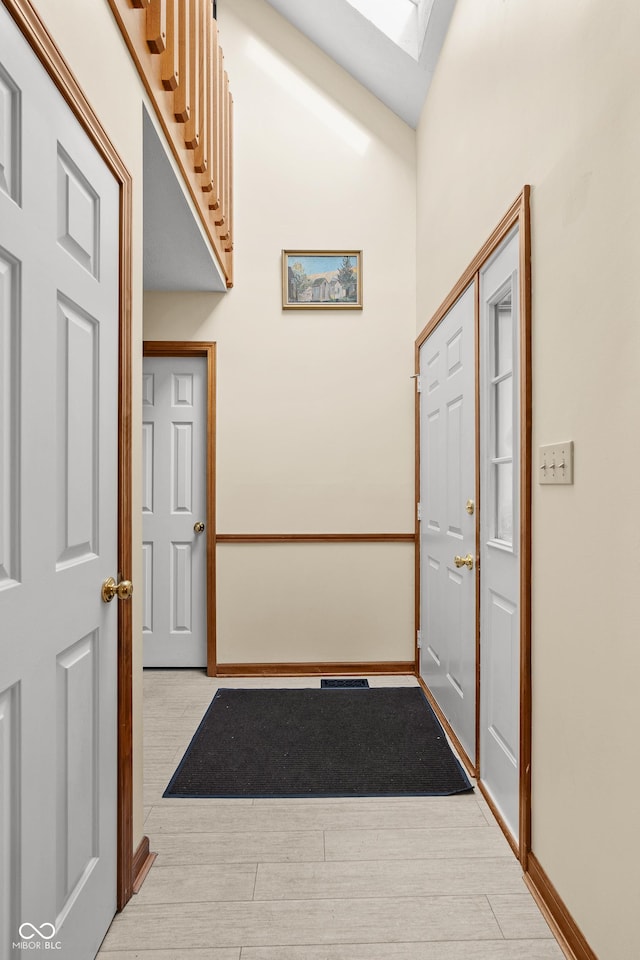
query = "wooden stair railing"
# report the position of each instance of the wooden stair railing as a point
(174, 44)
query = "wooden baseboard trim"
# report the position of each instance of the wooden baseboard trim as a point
(564, 927)
(511, 840)
(314, 669)
(142, 863)
(315, 538)
(471, 770)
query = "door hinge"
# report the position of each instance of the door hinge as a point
(419, 384)
(419, 639)
(419, 508)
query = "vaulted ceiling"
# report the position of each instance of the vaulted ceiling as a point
(389, 46)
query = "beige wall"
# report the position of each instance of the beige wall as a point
(89, 40)
(548, 94)
(341, 602)
(315, 409)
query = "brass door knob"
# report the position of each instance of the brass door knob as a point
(199, 526)
(111, 589)
(464, 561)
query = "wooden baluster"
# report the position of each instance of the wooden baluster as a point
(208, 176)
(221, 213)
(181, 101)
(157, 26)
(216, 197)
(225, 233)
(229, 244)
(169, 68)
(192, 127)
(201, 157)
(219, 217)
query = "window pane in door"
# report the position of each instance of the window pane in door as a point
(504, 417)
(503, 335)
(504, 501)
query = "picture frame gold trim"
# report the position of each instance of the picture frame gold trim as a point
(320, 289)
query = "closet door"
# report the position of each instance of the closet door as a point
(448, 526)
(59, 303)
(499, 532)
(175, 511)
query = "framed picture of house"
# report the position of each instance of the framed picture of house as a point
(322, 279)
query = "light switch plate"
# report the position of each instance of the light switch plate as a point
(555, 463)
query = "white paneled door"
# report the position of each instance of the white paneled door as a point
(174, 396)
(59, 242)
(499, 531)
(447, 528)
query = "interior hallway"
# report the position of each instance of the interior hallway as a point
(338, 879)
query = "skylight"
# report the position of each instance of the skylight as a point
(402, 21)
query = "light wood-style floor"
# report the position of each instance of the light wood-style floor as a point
(342, 879)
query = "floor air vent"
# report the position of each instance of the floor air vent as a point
(348, 682)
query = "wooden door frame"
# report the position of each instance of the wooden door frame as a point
(206, 349)
(44, 47)
(517, 215)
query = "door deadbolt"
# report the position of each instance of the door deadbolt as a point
(111, 589)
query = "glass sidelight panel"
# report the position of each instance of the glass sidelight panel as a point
(503, 335)
(503, 392)
(501, 411)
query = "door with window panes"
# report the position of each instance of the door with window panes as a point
(499, 526)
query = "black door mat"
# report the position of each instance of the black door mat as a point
(348, 682)
(383, 742)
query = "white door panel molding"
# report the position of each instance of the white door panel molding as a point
(499, 530)
(447, 529)
(174, 501)
(59, 323)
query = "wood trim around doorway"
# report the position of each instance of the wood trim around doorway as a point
(198, 348)
(44, 47)
(517, 214)
(526, 474)
(126, 876)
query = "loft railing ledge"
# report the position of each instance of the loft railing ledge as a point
(175, 47)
